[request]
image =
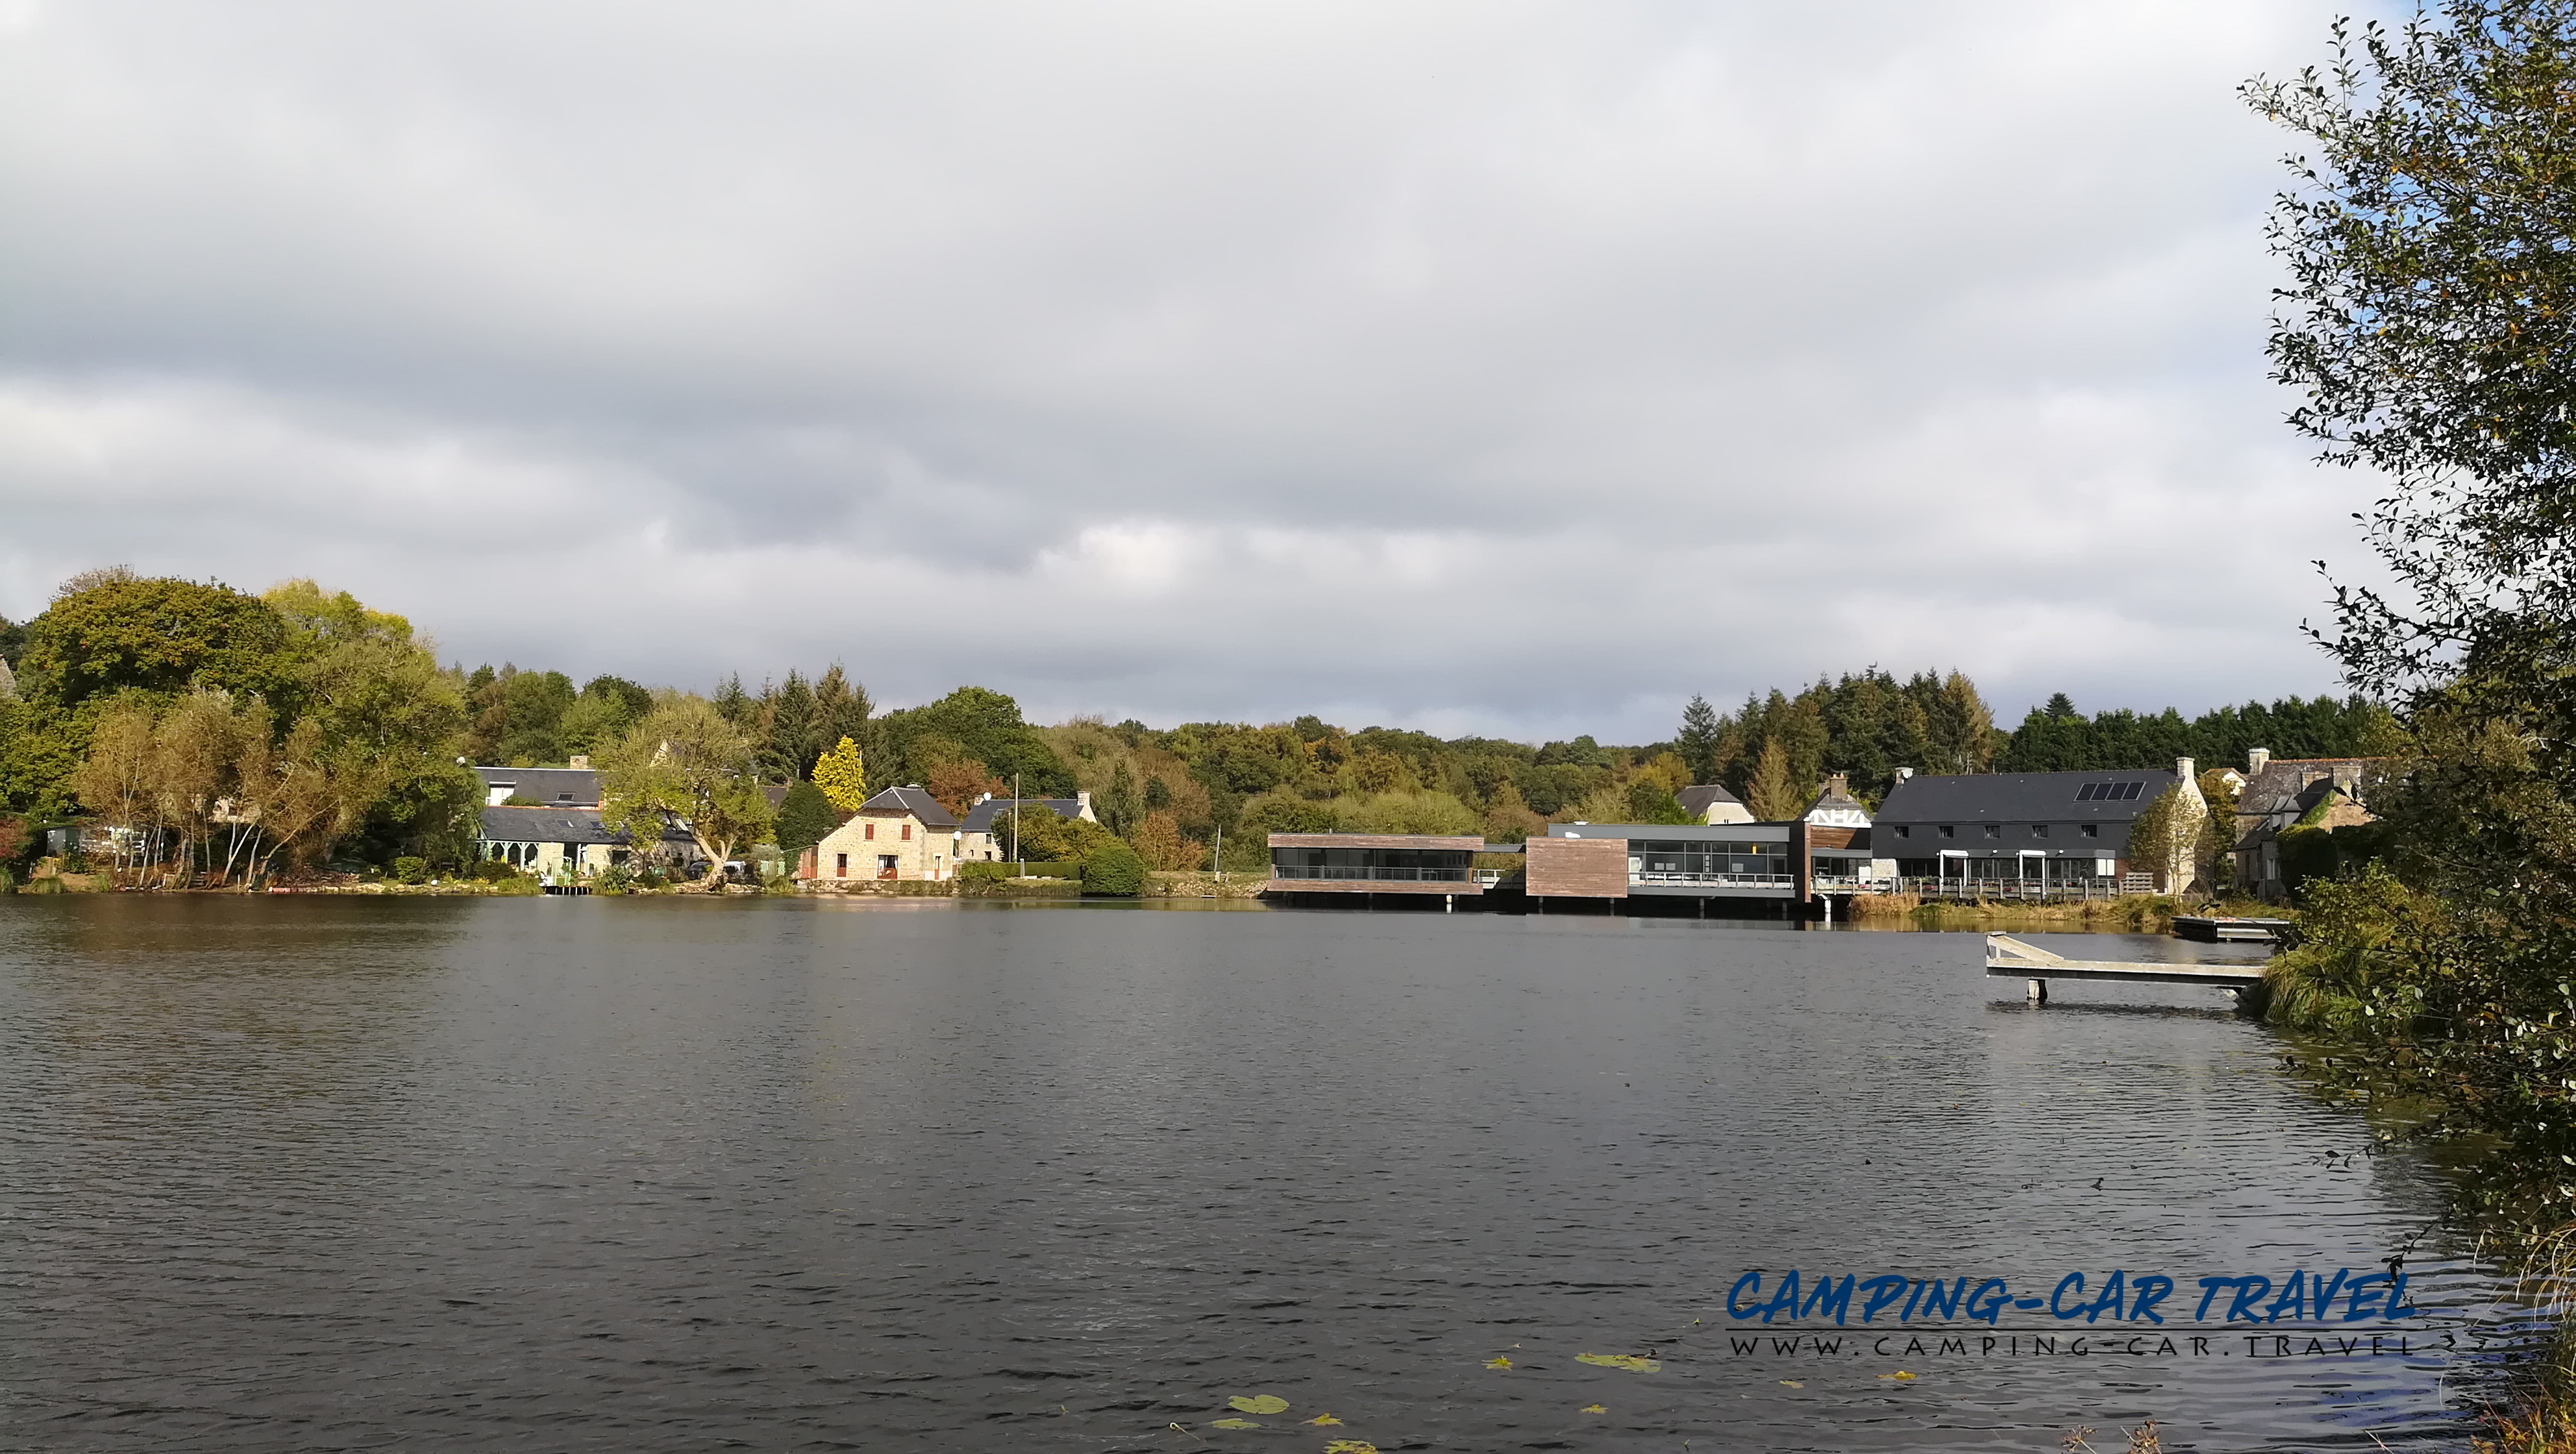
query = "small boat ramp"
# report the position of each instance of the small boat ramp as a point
(2009, 958)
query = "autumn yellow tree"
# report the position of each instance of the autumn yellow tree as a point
(842, 774)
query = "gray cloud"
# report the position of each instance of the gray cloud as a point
(1483, 366)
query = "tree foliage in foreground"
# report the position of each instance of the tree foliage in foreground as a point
(2432, 329)
(685, 765)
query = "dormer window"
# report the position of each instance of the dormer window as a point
(2038, 830)
(1994, 830)
(1947, 831)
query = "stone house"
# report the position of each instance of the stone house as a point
(980, 839)
(1709, 803)
(569, 842)
(901, 833)
(2279, 793)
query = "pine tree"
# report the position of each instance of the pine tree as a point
(1698, 742)
(1771, 795)
(1120, 807)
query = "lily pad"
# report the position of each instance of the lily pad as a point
(1499, 1360)
(1234, 1424)
(1900, 1375)
(1258, 1403)
(1349, 1446)
(1323, 1420)
(1595, 1409)
(1633, 1362)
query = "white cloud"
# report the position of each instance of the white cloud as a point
(1483, 366)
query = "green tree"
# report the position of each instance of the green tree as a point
(2428, 327)
(685, 764)
(1114, 871)
(1121, 808)
(159, 636)
(1772, 795)
(805, 816)
(1700, 739)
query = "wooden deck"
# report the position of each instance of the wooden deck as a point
(2010, 958)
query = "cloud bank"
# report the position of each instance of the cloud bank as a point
(1482, 366)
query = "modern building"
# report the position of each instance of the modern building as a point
(985, 831)
(1375, 863)
(2043, 832)
(901, 833)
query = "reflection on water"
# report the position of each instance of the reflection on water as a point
(646, 1175)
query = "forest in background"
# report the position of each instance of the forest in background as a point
(117, 659)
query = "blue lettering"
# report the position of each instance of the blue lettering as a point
(1989, 1301)
(2074, 1280)
(2396, 1295)
(2293, 1299)
(1754, 1278)
(2209, 1287)
(1784, 1301)
(2112, 1294)
(2357, 1307)
(1941, 1303)
(2152, 1289)
(2249, 1290)
(1883, 1289)
(2321, 1293)
(1830, 1296)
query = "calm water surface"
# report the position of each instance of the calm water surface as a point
(653, 1175)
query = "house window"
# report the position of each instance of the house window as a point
(907, 831)
(1947, 831)
(840, 865)
(2038, 830)
(1994, 830)
(2090, 830)
(1904, 832)
(871, 830)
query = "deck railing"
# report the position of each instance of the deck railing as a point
(1953, 887)
(1718, 880)
(1366, 873)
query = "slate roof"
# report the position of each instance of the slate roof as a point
(910, 800)
(1696, 798)
(546, 825)
(979, 818)
(576, 787)
(2298, 782)
(2022, 797)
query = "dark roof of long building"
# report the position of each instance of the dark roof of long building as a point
(910, 800)
(979, 818)
(2033, 797)
(576, 787)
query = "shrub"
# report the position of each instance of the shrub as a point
(983, 872)
(411, 870)
(1113, 871)
(492, 870)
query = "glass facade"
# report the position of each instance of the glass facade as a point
(1405, 865)
(1706, 861)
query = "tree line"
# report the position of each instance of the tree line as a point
(304, 725)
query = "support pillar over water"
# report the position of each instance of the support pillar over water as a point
(2039, 992)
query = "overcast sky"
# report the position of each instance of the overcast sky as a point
(1485, 366)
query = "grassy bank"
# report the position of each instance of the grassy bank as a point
(2140, 914)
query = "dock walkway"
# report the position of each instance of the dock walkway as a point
(2010, 958)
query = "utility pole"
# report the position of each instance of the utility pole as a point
(1218, 862)
(1017, 850)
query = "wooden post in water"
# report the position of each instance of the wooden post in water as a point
(2039, 992)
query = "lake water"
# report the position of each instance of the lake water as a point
(665, 1175)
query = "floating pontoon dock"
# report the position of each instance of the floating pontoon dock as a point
(2009, 958)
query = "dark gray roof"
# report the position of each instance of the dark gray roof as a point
(1676, 832)
(1696, 798)
(979, 818)
(545, 825)
(910, 800)
(573, 786)
(2030, 797)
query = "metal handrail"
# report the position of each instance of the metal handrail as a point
(1735, 880)
(1355, 872)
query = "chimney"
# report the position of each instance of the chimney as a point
(581, 762)
(1903, 773)
(1838, 785)
(1082, 805)
(2255, 760)
(2186, 769)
